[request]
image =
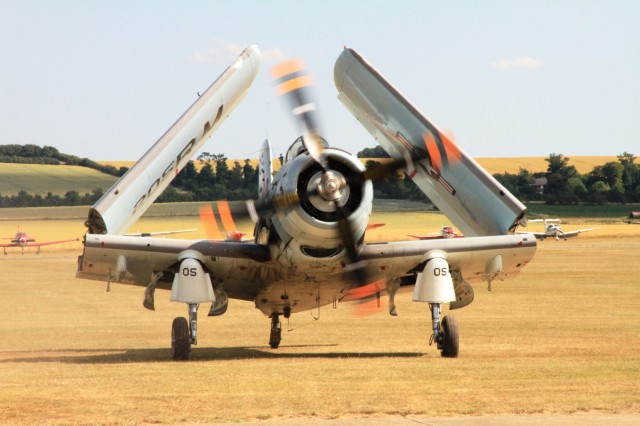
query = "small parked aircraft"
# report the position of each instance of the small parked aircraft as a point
(445, 232)
(22, 240)
(555, 231)
(311, 216)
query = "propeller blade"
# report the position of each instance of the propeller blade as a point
(365, 291)
(208, 219)
(256, 209)
(380, 171)
(368, 299)
(210, 222)
(252, 210)
(293, 81)
(355, 267)
(372, 305)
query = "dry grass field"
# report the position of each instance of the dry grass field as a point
(563, 337)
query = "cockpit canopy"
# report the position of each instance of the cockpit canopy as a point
(297, 148)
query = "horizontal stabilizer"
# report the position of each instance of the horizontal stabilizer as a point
(133, 193)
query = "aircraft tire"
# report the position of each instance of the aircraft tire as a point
(276, 332)
(450, 337)
(180, 339)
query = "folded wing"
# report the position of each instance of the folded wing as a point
(471, 198)
(133, 193)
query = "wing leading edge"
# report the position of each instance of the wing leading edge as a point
(134, 260)
(471, 198)
(472, 257)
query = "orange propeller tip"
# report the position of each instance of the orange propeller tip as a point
(287, 67)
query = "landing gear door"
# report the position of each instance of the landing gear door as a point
(192, 284)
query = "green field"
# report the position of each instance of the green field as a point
(41, 179)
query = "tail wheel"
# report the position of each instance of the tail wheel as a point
(450, 337)
(180, 339)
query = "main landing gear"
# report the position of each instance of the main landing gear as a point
(276, 331)
(445, 335)
(184, 334)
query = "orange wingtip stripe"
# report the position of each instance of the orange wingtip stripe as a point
(294, 84)
(209, 223)
(225, 215)
(453, 152)
(286, 67)
(434, 152)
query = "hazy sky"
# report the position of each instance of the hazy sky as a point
(105, 79)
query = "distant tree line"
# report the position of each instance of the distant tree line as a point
(70, 198)
(613, 182)
(214, 181)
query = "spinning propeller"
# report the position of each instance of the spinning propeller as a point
(331, 186)
(293, 81)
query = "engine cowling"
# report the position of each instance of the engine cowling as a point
(314, 220)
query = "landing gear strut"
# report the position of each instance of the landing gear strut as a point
(276, 331)
(445, 335)
(184, 334)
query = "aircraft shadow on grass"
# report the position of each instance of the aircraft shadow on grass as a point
(125, 356)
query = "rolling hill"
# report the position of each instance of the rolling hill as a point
(41, 179)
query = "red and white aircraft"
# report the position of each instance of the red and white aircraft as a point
(22, 239)
(445, 232)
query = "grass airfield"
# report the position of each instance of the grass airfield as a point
(563, 337)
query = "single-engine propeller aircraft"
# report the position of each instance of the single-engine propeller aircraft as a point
(311, 216)
(555, 231)
(22, 240)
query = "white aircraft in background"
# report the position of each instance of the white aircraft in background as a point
(311, 216)
(555, 231)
